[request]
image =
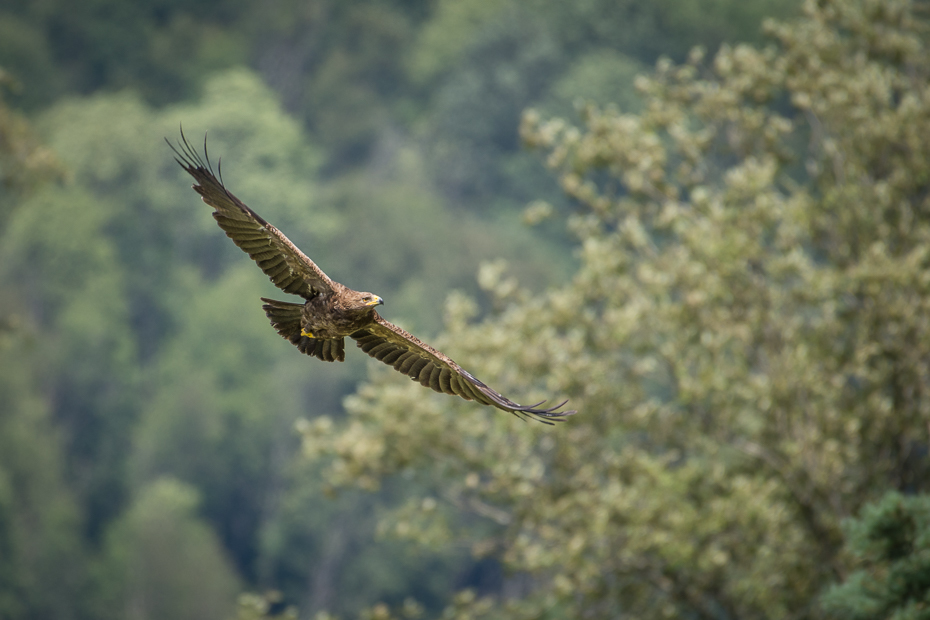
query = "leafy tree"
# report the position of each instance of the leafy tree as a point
(25, 163)
(255, 607)
(41, 547)
(746, 340)
(41, 550)
(484, 62)
(321, 551)
(161, 48)
(891, 542)
(161, 561)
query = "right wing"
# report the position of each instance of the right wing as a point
(411, 356)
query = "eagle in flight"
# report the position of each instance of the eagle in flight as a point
(332, 311)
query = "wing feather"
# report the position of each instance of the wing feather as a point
(445, 381)
(419, 364)
(424, 375)
(405, 361)
(431, 368)
(434, 378)
(459, 389)
(293, 272)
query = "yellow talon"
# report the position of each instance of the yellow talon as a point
(304, 332)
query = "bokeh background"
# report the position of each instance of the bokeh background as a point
(704, 221)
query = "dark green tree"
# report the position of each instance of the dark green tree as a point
(481, 63)
(42, 552)
(890, 542)
(161, 561)
(25, 163)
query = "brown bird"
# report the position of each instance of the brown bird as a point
(332, 311)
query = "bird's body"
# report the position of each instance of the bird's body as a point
(331, 311)
(337, 315)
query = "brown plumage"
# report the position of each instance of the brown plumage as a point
(332, 311)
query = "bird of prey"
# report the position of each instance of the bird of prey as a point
(332, 311)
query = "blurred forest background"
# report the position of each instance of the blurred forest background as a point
(706, 222)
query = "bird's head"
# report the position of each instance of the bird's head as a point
(366, 300)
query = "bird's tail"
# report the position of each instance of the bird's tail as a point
(285, 318)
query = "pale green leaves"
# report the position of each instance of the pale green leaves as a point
(745, 338)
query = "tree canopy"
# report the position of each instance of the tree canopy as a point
(745, 339)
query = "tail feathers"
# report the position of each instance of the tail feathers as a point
(285, 318)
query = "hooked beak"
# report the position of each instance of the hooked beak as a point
(377, 301)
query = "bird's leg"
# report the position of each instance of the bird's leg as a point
(306, 332)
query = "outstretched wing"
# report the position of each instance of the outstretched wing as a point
(289, 268)
(408, 354)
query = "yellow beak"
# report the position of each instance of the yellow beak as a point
(377, 301)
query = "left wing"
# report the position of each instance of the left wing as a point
(408, 354)
(287, 267)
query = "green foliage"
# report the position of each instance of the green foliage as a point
(24, 162)
(743, 332)
(322, 551)
(745, 340)
(255, 607)
(602, 78)
(41, 550)
(349, 95)
(447, 35)
(161, 561)
(485, 62)
(161, 47)
(891, 543)
(41, 546)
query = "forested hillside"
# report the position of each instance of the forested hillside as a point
(711, 236)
